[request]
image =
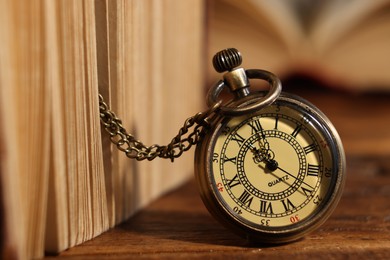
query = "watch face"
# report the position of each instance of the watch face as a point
(276, 174)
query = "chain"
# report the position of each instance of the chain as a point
(135, 149)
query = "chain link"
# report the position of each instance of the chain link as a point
(135, 149)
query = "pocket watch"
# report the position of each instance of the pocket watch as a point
(269, 165)
(272, 166)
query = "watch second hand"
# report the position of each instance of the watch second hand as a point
(294, 177)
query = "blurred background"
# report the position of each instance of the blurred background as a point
(334, 53)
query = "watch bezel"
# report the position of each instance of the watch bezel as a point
(258, 233)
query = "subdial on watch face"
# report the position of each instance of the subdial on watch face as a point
(272, 178)
(271, 167)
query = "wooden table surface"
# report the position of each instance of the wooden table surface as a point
(178, 226)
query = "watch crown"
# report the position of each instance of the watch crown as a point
(227, 59)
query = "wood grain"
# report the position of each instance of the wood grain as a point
(177, 226)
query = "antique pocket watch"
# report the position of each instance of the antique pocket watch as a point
(269, 165)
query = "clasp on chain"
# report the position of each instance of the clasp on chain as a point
(204, 118)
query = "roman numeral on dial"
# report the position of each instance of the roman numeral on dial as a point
(307, 192)
(276, 122)
(232, 160)
(256, 126)
(233, 182)
(287, 204)
(266, 207)
(296, 131)
(246, 198)
(310, 148)
(238, 138)
(313, 170)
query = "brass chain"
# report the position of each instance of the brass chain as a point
(135, 149)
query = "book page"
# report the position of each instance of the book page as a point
(341, 43)
(283, 19)
(266, 33)
(335, 18)
(76, 176)
(150, 74)
(350, 41)
(25, 128)
(13, 227)
(167, 87)
(62, 181)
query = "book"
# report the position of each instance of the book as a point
(61, 180)
(340, 43)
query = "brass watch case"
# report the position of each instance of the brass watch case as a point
(257, 233)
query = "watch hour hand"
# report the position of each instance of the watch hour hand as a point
(265, 151)
(257, 157)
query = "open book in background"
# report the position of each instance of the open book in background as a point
(317, 48)
(62, 181)
(340, 43)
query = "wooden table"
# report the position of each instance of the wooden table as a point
(178, 226)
